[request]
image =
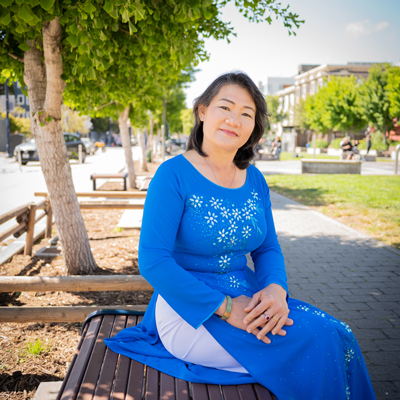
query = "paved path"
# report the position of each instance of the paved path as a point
(352, 277)
(294, 167)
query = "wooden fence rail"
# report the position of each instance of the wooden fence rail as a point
(26, 219)
(81, 283)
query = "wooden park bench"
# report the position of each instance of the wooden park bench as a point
(118, 175)
(96, 372)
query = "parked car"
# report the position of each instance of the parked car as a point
(29, 150)
(90, 146)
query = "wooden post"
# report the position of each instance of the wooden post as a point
(31, 228)
(49, 221)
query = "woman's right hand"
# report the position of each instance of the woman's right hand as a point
(238, 314)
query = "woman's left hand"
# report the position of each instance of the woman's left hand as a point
(270, 301)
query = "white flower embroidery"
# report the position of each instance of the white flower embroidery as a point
(233, 240)
(222, 235)
(252, 204)
(232, 227)
(234, 282)
(246, 231)
(236, 214)
(255, 195)
(211, 219)
(225, 212)
(224, 261)
(216, 203)
(247, 213)
(196, 201)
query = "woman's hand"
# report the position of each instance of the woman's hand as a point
(238, 314)
(270, 301)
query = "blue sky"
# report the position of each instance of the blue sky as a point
(334, 32)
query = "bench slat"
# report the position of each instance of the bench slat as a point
(79, 366)
(262, 392)
(199, 391)
(121, 379)
(106, 379)
(151, 384)
(230, 392)
(246, 392)
(167, 387)
(181, 389)
(214, 392)
(93, 368)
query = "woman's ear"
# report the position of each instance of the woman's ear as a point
(202, 112)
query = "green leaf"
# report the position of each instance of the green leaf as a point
(6, 3)
(132, 28)
(114, 14)
(91, 74)
(24, 47)
(138, 60)
(21, 28)
(125, 16)
(41, 124)
(103, 37)
(89, 8)
(48, 119)
(5, 20)
(73, 28)
(108, 6)
(46, 4)
(83, 48)
(25, 13)
(73, 40)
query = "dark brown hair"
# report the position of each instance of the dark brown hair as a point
(245, 154)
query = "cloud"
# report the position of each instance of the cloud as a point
(381, 25)
(365, 27)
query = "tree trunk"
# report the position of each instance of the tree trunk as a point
(45, 88)
(126, 144)
(156, 149)
(142, 144)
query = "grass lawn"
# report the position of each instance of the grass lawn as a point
(287, 156)
(370, 204)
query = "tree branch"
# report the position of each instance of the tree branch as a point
(16, 57)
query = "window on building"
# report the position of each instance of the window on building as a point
(21, 99)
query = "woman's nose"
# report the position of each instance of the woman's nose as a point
(233, 121)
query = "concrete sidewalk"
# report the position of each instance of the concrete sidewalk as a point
(349, 275)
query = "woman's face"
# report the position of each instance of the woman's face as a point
(229, 120)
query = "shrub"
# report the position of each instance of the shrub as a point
(362, 144)
(377, 142)
(321, 144)
(335, 144)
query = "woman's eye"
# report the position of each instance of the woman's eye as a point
(247, 115)
(224, 108)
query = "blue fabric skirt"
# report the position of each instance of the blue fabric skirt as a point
(319, 358)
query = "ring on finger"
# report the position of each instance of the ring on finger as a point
(277, 320)
(267, 317)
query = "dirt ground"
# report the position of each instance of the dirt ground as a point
(31, 353)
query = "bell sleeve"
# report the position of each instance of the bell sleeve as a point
(191, 298)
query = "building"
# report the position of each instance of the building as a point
(306, 83)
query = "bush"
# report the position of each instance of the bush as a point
(335, 144)
(321, 144)
(362, 144)
(377, 142)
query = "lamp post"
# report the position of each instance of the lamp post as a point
(8, 148)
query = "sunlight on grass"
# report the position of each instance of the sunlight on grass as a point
(35, 348)
(370, 204)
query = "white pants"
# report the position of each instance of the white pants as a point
(196, 346)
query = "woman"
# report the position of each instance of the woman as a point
(211, 319)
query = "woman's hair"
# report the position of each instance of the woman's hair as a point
(245, 154)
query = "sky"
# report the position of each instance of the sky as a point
(334, 32)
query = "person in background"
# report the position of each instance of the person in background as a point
(368, 140)
(347, 147)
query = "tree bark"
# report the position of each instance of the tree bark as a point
(156, 149)
(45, 88)
(142, 144)
(126, 144)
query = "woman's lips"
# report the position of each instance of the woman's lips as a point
(230, 133)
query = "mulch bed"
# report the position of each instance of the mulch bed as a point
(115, 251)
